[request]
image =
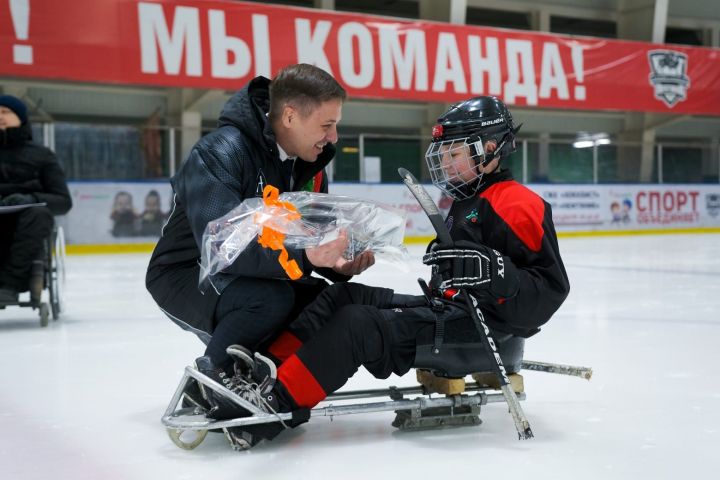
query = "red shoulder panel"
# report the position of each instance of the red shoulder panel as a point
(519, 207)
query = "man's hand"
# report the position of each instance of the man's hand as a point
(329, 254)
(355, 267)
(18, 199)
(467, 264)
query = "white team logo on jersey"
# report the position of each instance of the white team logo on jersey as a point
(261, 182)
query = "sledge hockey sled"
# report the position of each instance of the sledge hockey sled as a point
(438, 402)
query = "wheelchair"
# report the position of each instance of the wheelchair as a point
(47, 273)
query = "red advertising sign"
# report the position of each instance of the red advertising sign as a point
(222, 44)
(667, 207)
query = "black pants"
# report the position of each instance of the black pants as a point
(251, 312)
(352, 325)
(22, 238)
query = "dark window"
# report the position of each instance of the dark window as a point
(582, 26)
(292, 3)
(389, 8)
(346, 164)
(498, 18)
(682, 165)
(97, 152)
(37, 133)
(683, 36)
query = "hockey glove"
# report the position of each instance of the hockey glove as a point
(18, 199)
(465, 264)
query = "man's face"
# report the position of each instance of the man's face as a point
(307, 135)
(8, 119)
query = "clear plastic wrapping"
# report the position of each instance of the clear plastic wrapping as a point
(304, 220)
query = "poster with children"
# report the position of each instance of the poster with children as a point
(114, 212)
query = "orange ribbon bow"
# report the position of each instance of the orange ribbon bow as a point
(273, 239)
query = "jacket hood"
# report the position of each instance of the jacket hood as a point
(247, 111)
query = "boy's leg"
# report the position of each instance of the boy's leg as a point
(381, 340)
(321, 311)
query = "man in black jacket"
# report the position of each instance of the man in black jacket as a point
(504, 251)
(278, 133)
(29, 173)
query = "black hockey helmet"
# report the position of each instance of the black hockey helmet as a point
(485, 117)
(468, 125)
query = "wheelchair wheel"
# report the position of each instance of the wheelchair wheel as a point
(44, 314)
(56, 272)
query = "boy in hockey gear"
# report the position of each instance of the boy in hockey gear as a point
(494, 216)
(504, 252)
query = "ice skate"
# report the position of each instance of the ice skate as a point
(193, 396)
(217, 406)
(257, 388)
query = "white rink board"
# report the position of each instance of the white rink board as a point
(579, 208)
(576, 208)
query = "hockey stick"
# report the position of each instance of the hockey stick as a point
(571, 370)
(443, 234)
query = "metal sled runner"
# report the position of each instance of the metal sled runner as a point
(415, 407)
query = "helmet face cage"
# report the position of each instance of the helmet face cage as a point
(463, 133)
(453, 165)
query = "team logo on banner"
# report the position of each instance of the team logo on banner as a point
(669, 75)
(712, 202)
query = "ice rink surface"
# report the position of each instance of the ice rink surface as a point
(82, 399)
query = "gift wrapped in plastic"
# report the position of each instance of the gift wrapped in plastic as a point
(303, 220)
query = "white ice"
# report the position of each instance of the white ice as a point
(82, 399)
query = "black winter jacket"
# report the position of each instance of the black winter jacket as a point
(26, 167)
(516, 222)
(224, 168)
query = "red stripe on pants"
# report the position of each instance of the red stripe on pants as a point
(300, 383)
(285, 345)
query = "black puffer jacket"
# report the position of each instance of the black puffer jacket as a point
(26, 167)
(224, 168)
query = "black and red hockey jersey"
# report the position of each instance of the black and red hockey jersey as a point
(515, 221)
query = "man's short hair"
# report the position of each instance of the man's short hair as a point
(303, 86)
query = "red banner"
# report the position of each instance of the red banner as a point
(222, 44)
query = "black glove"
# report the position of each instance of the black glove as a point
(18, 199)
(465, 264)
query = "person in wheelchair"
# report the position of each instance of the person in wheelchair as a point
(504, 251)
(29, 174)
